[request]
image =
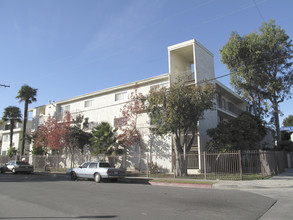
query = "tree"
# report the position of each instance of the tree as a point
(131, 135)
(288, 122)
(38, 151)
(13, 115)
(242, 133)
(76, 138)
(177, 111)
(104, 139)
(11, 152)
(27, 95)
(52, 135)
(242, 58)
(260, 64)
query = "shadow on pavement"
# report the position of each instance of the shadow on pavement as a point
(34, 177)
(78, 217)
(45, 177)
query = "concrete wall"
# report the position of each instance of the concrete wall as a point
(17, 134)
(204, 64)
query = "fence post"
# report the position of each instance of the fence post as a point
(34, 161)
(148, 164)
(240, 165)
(45, 163)
(205, 165)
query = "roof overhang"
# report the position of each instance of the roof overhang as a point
(225, 91)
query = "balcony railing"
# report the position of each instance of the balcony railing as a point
(229, 108)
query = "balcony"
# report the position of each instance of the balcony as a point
(228, 108)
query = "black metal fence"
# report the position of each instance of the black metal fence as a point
(238, 165)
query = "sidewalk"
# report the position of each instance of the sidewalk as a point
(283, 180)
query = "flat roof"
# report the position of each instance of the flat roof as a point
(111, 89)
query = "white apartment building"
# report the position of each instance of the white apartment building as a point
(16, 139)
(190, 60)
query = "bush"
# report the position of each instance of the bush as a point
(11, 152)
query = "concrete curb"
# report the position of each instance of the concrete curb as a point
(188, 185)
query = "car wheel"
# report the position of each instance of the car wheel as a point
(13, 171)
(2, 171)
(97, 178)
(73, 175)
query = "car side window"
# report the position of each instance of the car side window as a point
(93, 165)
(85, 165)
(104, 164)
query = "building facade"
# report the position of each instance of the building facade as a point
(16, 139)
(189, 61)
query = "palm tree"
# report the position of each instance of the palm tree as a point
(12, 114)
(27, 95)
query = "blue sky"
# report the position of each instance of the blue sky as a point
(66, 48)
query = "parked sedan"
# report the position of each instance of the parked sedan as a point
(15, 166)
(96, 171)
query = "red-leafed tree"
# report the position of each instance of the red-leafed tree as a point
(130, 135)
(52, 135)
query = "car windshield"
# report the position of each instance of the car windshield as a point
(85, 165)
(22, 163)
(105, 165)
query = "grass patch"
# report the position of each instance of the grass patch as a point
(181, 181)
(255, 177)
(212, 176)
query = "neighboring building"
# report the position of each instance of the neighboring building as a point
(16, 140)
(189, 60)
(287, 132)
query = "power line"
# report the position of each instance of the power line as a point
(2, 85)
(234, 72)
(259, 11)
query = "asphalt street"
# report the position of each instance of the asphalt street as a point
(55, 197)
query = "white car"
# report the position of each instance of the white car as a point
(96, 171)
(16, 166)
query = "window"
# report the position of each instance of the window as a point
(5, 137)
(88, 103)
(85, 165)
(119, 122)
(93, 165)
(159, 86)
(91, 125)
(65, 108)
(224, 104)
(105, 165)
(22, 163)
(120, 96)
(7, 127)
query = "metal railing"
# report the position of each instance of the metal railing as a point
(238, 165)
